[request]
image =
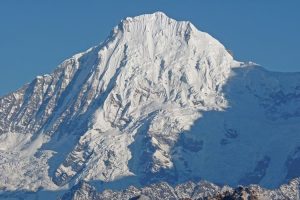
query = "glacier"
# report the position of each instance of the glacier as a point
(159, 100)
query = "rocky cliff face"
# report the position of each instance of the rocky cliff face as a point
(158, 101)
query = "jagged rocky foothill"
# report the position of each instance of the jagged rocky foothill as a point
(186, 191)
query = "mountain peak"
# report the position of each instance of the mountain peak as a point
(157, 14)
(156, 22)
(157, 29)
(148, 17)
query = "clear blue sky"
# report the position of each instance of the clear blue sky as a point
(36, 35)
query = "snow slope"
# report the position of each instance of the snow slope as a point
(159, 100)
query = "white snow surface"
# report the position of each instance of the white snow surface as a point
(158, 100)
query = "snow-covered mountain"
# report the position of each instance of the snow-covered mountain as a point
(159, 100)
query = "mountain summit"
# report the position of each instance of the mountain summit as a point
(159, 100)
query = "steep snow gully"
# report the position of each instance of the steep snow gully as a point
(157, 101)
